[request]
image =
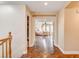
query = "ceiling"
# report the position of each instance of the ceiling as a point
(53, 6)
(38, 6)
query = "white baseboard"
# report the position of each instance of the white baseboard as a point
(71, 52)
(66, 52)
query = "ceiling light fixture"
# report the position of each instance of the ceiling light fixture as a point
(45, 3)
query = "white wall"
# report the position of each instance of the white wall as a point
(55, 31)
(61, 29)
(60, 24)
(12, 19)
(30, 26)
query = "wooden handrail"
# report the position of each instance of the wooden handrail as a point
(7, 42)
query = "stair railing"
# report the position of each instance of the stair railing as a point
(5, 43)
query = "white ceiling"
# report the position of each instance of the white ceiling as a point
(38, 6)
(53, 6)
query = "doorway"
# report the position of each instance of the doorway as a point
(44, 34)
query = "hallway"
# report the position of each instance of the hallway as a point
(39, 29)
(62, 34)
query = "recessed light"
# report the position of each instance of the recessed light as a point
(45, 3)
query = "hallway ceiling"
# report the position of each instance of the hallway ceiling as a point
(38, 6)
(53, 6)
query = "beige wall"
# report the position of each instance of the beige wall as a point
(71, 38)
(71, 41)
(68, 28)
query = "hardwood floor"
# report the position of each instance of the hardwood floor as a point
(34, 53)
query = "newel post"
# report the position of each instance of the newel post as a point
(10, 48)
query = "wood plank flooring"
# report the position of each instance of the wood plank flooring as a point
(34, 53)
